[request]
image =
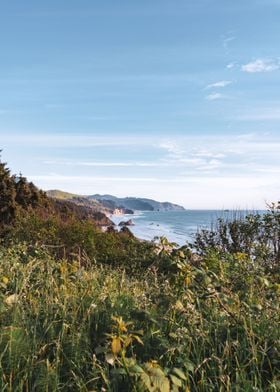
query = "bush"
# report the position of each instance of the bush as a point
(257, 235)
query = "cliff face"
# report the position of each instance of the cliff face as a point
(67, 208)
(81, 207)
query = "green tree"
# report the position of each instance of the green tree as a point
(8, 203)
(23, 191)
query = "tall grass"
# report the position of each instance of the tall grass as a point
(211, 324)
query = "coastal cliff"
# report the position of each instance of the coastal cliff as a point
(109, 204)
(137, 203)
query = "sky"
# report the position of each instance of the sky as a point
(175, 100)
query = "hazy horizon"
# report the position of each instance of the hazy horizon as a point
(166, 99)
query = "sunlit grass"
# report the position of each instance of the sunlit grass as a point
(210, 325)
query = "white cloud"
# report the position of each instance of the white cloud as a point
(192, 159)
(231, 65)
(229, 154)
(222, 83)
(199, 171)
(214, 96)
(173, 148)
(261, 65)
(209, 154)
(103, 164)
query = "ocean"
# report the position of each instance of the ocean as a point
(177, 226)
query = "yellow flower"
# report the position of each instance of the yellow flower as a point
(241, 256)
(116, 345)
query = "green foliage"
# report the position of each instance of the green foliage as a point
(7, 197)
(257, 235)
(17, 196)
(211, 325)
(86, 310)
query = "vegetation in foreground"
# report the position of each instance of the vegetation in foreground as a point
(83, 310)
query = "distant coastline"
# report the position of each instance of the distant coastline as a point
(176, 226)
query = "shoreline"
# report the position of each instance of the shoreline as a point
(177, 226)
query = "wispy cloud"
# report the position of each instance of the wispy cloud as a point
(76, 163)
(71, 140)
(231, 168)
(210, 165)
(214, 96)
(227, 39)
(209, 154)
(180, 156)
(261, 65)
(232, 65)
(222, 180)
(93, 179)
(231, 154)
(201, 160)
(260, 114)
(173, 148)
(220, 84)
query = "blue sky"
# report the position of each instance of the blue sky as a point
(172, 99)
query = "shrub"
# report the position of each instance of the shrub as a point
(257, 235)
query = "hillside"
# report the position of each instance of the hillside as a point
(107, 207)
(139, 204)
(77, 199)
(110, 204)
(20, 199)
(57, 194)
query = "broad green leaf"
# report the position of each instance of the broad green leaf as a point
(176, 380)
(189, 366)
(136, 369)
(179, 373)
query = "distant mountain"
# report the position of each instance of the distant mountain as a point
(107, 207)
(109, 204)
(138, 204)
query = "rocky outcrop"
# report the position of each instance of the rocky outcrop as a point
(123, 211)
(126, 223)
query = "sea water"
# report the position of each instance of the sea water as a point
(177, 226)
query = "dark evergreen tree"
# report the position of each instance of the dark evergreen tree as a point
(23, 191)
(8, 203)
(36, 196)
